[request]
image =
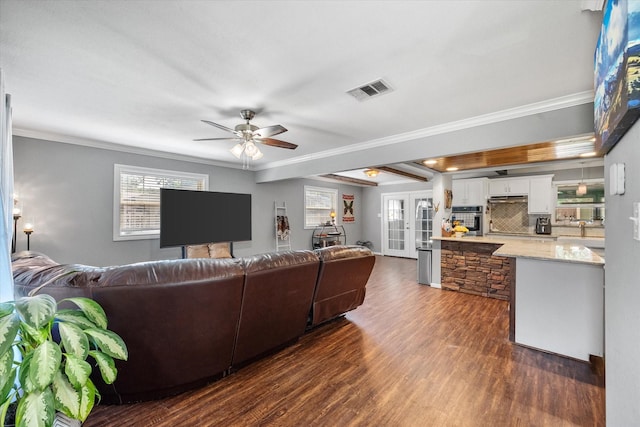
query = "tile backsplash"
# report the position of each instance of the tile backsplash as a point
(510, 217)
(515, 218)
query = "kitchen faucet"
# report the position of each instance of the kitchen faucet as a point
(582, 225)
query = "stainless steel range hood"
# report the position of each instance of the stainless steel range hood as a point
(508, 199)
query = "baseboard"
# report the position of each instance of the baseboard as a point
(436, 285)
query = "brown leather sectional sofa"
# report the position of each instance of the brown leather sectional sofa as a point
(188, 322)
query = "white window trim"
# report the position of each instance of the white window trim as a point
(118, 169)
(334, 191)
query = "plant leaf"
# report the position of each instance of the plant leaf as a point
(76, 317)
(37, 311)
(6, 308)
(77, 370)
(92, 310)
(23, 374)
(32, 336)
(44, 364)
(67, 398)
(9, 326)
(107, 366)
(74, 339)
(36, 409)
(7, 374)
(109, 342)
(87, 400)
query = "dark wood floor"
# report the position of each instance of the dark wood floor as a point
(410, 356)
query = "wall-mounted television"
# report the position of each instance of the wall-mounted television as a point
(197, 217)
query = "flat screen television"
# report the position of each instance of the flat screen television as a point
(190, 217)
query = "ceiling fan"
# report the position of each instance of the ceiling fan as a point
(248, 135)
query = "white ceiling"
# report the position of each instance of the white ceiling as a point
(144, 73)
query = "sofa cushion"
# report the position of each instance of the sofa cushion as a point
(197, 251)
(342, 279)
(219, 250)
(278, 289)
(31, 270)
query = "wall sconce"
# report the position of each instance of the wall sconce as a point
(371, 173)
(28, 229)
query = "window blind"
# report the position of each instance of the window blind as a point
(138, 198)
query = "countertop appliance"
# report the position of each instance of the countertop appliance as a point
(543, 225)
(470, 217)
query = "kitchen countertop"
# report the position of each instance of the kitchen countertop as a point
(535, 249)
(477, 239)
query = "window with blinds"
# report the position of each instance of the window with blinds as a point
(318, 204)
(137, 198)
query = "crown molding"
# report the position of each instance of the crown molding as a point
(495, 117)
(103, 145)
(485, 119)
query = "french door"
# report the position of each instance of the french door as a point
(406, 223)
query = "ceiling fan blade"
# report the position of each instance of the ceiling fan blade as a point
(277, 143)
(219, 126)
(269, 131)
(217, 139)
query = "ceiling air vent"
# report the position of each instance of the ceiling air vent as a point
(370, 90)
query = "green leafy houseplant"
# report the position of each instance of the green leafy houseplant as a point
(53, 374)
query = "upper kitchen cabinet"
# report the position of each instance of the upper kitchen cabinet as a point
(509, 187)
(540, 194)
(469, 192)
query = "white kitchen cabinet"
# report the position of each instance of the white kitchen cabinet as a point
(509, 187)
(469, 192)
(559, 307)
(540, 195)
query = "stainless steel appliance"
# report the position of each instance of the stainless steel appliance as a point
(424, 266)
(508, 199)
(543, 225)
(470, 217)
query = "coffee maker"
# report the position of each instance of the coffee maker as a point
(543, 225)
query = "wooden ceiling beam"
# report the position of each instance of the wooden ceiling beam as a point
(402, 173)
(350, 180)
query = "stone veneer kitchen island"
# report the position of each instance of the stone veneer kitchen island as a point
(556, 290)
(469, 266)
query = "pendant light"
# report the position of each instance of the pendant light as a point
(582, 187)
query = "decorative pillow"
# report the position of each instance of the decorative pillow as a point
(197, 251)
(219, 250)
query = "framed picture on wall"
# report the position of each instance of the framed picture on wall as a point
(448, 199)
(348, 208)
(617, 73)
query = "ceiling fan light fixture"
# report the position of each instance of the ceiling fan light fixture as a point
(371, 173)
(258, 155)
(237, 150)
(250, 148)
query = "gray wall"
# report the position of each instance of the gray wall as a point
(68, 191)
(622, 288)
